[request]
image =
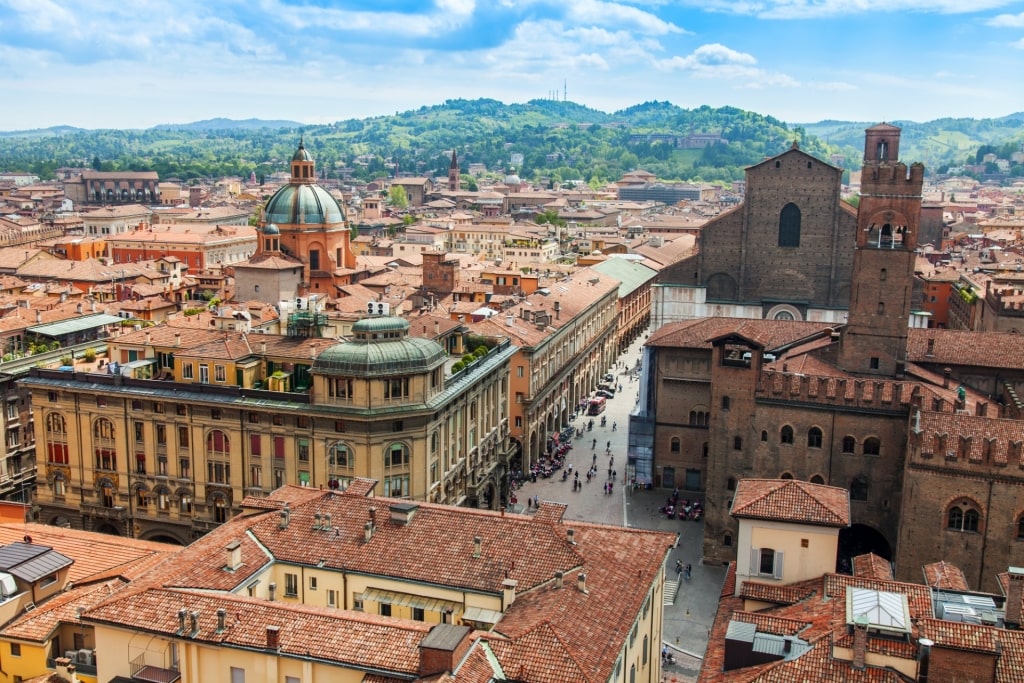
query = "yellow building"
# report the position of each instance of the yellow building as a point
(166, 446)
(325, 586)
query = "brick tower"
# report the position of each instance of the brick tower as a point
(453, 174)
(874, 341)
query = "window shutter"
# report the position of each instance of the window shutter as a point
(755, 561)
(778, 565)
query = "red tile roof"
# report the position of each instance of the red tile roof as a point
(945, 575)
(791, 500)
(768, 592)
(872, 566)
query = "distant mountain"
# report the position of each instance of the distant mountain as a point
(229, 124)
(41, 132)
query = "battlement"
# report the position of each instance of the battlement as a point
(869, 394)
(895, 175)
(968, 440)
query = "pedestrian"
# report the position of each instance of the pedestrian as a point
(529, 503)
(609, 472)
(686, 571)
(593, 447)
(536, 501)
(611, 461)
(679, 567)
(615, 475)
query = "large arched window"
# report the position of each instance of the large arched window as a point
(56, 439)
(217, 443)
(814, 438)
(339, 456)
(674, 445)
(849, 444)
(789, 226)
(859, 488)
(786, 434)
(396, 468)
(963, 516)
(218, 465)
(872, 446)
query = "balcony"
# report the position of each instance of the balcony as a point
(141, 670)
(117, 512)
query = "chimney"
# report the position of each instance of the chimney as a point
(443, 648)
(283, 523)
(233, 556)
(558, 579)
(581, 582)
(787, 645)
(149, 338)
(274, 638)
(177, 338)
(316, 521)
(182, 616)
(476, 546)
(193, 619)
(39, 317)
(78, 309)
(65, 669)
(508, 591)
(368, 531)
(924, 655)
(931, 347)
(222, 615)
(571, 533)
(263, 348)
(558, 310)
(1014, 593)
(327, 526)
(860, 641)
(946, 372)
(373, 516)
(437, 327)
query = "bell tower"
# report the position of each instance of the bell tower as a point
(453, 174)
(874, 341)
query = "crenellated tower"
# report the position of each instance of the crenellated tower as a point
(874, 341)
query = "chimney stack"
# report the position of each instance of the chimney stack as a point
(946, 372)
(327, 526)
(924, 655)
(860, 642)
(581, 582)
(571, 533)
(271, 590)
(182, 616)
(1014, 593)
(177, 338)
(476, 546)
(193, 618)
(316, 521)
(368, 531)
(558, 579)
(508, 591)
(274, 638)
(65, 669)
(373, 516)
(233, 556)
(222, 616)
(283, 523)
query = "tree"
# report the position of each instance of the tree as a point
(97, 165)
(397, 197)
(549, 216)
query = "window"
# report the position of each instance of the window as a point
(339, 425)
(187, 371)
(699, 418)
(396, 486)
(859, 488)
(674, 444)
(417, 614)
(15, 649)
(332, 598)
(56, 439)
(255, 445)
(254, 418)
(519, 371)
(101, 401)
(789, 226)
(183, 439)
(785, 475)
(136, 404)
(204, 373)
(1020, 528)
(181, 409)
(396, 387)
(737, 443)
(849, 444)
(339, 456)
(385, 609)
(814, 438)
(730, 484)
(963, 517)
(645, 650)
(185, 504)
(139, 432)
(302, 449)
(786, 434)
(872, 446)
(725, 403)
(817, 479)
(766, 562)
(302, 422)
(764, 435)
(312, 583)
(396, 456)
(215, 413)
(237, 675)
(873, 364)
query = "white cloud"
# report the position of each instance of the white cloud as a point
(1018, 44)
(618, 15)
(1007, 20)
(447, 15)
(812, 9)
(712, 60)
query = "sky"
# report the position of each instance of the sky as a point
(138, 63)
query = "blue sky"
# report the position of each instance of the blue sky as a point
(134, 64)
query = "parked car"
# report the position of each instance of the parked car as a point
(609, 377)
(606, 387)
(605, 394)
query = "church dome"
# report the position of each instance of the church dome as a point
(303, 203)
(512, 178)
(301, 154)
(271, 229)
(381, 347)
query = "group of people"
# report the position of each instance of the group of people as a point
(684, 569)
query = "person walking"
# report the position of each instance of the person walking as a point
(686, 571)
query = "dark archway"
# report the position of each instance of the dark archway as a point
(858, 539)
(108, 529)
(164, 538)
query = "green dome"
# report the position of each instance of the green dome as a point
(381, 348)
(303, 203)
(301, 154)
(271, 229)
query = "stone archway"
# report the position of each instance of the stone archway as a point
(107, 528)
(858, 539)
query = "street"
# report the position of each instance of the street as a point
(688, 619)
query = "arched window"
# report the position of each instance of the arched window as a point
(786, 434)
(764, 435)
(859, 488)
(817, 479)
(872, 446)
(789, 226)
(397, 455)
(339, 456)
(217, 443)
(737, 443)
(963, 516)
(849, 444)
(814, 438)
(56, 439)
(104, 444)
(786, 475)
(674, 445)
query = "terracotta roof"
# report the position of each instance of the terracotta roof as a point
(942, 574)
(768, 592)
(699, 333)
(872, 566)
(791, 500)
(961, 347)
(39, 624)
